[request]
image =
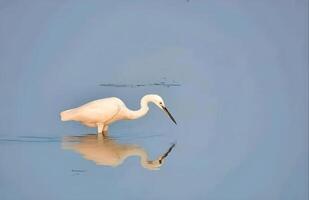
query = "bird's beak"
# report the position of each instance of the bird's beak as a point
(169, 114)
(166, 153)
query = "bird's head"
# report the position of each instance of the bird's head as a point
(158, 101)
(152, 164)
(156, 164)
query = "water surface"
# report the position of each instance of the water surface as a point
(233, 74)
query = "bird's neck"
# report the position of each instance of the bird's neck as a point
(140, 152)
(134, 114)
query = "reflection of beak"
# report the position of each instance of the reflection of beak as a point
(166, 153)
(169, 114)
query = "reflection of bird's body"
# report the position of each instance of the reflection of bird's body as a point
(105, 151)
(100, 113)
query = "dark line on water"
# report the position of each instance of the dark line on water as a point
(29, 139)
(37, 137)
(78, 170)
(132, 137)
(41, 139)
(121, 85)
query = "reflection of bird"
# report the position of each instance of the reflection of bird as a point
(105, 151)
(100, 113)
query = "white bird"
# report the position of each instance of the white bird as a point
(101, 113)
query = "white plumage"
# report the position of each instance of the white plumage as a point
(100, 113)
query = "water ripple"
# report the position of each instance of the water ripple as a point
(161, 83)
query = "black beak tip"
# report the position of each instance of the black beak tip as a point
(169, 114)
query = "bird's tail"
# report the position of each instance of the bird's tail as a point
(67, 115)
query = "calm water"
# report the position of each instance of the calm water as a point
(234, 76)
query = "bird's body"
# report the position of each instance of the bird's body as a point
(103, 111)
(100, 113)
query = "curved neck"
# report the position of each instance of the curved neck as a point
(134, 114)
(140, 152)
(134, 150)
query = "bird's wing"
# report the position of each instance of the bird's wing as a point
(99, 111)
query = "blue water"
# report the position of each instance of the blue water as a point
(233, 74)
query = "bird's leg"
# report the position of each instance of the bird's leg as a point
(100, 128)
(105, 131)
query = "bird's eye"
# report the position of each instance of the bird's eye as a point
(160, 103)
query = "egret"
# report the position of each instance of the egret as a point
(108, 152)
(101, 113)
